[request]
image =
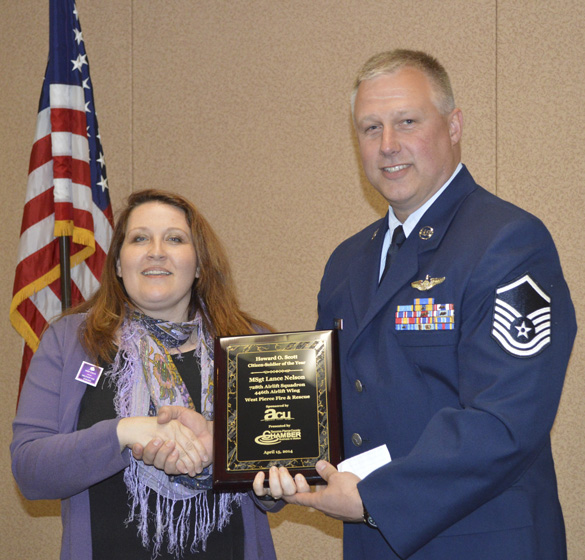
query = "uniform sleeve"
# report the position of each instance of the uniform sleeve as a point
(50, 458)
(509, 392)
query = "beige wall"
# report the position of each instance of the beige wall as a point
(243, 107)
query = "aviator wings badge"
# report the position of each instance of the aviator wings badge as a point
(427, 283)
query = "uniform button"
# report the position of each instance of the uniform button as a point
(356, 439)
(358, 386)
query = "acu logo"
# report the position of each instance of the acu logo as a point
(273, 414)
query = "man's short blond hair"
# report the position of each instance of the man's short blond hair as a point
(391, 61)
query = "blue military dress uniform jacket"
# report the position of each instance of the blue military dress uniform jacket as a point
(460, 380)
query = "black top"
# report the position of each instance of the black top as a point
(109, 509)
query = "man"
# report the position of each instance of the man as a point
(454, 358)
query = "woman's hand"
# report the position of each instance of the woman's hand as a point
(182, 448)
(280, 484)
(165, 456)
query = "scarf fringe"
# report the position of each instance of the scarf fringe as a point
(173, 525)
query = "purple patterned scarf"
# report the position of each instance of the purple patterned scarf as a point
(145, 379)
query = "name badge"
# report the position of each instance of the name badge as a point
(89, 373)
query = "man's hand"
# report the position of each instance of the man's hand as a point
(164, 455)
(339, 498)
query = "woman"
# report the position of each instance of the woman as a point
(166, 291)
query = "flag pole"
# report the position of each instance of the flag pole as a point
(65, 272)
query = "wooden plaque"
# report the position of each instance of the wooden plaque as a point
(277, 402)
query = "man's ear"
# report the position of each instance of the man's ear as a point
(455, 126)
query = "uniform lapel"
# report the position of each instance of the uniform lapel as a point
(404, 267)
(363, 275)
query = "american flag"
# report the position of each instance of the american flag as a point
(67, 192)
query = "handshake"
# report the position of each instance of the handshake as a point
(181, 442)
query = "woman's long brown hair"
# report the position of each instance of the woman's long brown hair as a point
(107, 308)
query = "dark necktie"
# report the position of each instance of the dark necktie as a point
(398, 238)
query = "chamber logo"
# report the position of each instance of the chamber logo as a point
(272, 437)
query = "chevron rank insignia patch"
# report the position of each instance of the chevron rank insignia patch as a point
(522, 321)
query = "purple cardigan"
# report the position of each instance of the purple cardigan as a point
(51, 459)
